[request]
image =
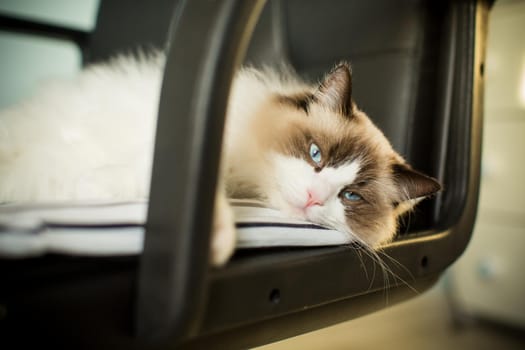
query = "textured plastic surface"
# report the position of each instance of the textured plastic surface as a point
(171, 296)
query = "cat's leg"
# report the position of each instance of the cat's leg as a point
(224, 234)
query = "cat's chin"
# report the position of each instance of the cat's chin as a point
(299, 213)
(312, 214)
(290, 210)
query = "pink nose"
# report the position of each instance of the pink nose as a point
(312, 200)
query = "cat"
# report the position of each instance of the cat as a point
(305, 149)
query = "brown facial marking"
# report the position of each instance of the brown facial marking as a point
(369, 216)
(299, 100)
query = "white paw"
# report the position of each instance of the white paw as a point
(223, 235)
(223, 245)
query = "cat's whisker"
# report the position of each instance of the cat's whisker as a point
(363, 265)
(395, 261)
(377, 262)
(387, 272)
(374, 271)
(396, 276)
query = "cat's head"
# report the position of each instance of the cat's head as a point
(331, 165)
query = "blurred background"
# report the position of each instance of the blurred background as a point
(479, 304)
(29, 61)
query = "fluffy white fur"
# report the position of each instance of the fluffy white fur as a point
(85, 139)
(91, 138)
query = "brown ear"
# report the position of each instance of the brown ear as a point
(414, 184)
(335, 91)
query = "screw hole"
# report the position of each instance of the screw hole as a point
(482, 69)
(275, 296)
(3, 312)
(424, 261)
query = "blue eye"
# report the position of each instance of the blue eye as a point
(315, 153)
(351, 196)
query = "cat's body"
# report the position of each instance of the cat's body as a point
(88, 138)
(304, 149)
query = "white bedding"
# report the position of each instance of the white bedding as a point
(112, 229)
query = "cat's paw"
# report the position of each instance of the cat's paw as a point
(224, 234)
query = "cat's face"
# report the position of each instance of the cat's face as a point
(332, 166)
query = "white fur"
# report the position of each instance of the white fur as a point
(90, 138)
(295, 178)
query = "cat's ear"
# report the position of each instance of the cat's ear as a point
(335, 91)
(413, 184)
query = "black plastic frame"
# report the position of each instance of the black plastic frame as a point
(251, 279)
(171, 295)
(207, 43)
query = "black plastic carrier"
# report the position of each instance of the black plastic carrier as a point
(418, 72)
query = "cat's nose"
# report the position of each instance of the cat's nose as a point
(312, 200)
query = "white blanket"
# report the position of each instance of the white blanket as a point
(112, 229)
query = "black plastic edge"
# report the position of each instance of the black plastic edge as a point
(438, 250)
(427, 254)
(206, 44)
(308, 320)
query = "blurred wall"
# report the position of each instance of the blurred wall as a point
(489, 280)
(21, 73)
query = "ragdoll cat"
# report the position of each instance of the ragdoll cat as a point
(304, 149)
